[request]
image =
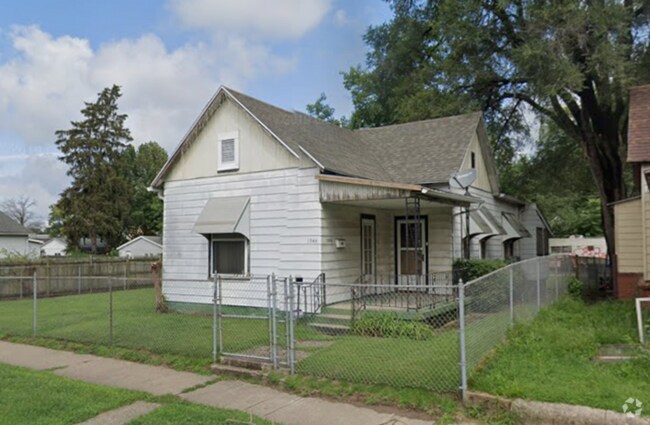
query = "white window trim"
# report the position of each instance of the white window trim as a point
(217, 238)
(231, 165)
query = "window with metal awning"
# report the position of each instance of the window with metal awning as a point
(225, 222)
(225, 216)
(483, 224)
(513, 227)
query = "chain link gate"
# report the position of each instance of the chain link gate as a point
(252, 320)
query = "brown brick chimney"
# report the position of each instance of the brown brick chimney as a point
(638, 138)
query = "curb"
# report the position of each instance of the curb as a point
(542, 413)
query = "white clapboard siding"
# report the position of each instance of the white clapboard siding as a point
(530, 218)
(284, 227)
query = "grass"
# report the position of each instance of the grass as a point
(31, 397)
(184, 341)
(550, 358)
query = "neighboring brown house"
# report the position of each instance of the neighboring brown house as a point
(632, 215)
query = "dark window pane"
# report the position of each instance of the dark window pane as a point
(228, 257)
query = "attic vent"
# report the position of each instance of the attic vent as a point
(228, 150)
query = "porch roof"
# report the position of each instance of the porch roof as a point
(341, 189)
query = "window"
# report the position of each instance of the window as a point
(228, 151)
(473, 159)
(542, 241)
(228, 254)
(509, 249)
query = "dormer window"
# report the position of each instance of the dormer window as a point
(228, 151)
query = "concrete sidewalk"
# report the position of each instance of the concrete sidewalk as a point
(259, 400)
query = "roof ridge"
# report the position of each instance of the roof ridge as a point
(238, 93)
(417, 122)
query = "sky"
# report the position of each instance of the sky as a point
(169, 56)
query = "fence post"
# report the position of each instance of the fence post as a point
(126, 272)
(511, 294)
(274, 322)
(220, 314)
(292, 339)
(110, 311)
(35, 296)
(461, 332)
(79, 279)
(214, 321)
(269, 313)
(539, 294)
(287, 315)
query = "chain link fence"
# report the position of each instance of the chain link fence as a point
(491, 304)
(398, 331)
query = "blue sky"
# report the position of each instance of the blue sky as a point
(169, 56)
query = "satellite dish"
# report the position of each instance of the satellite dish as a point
(463, 180)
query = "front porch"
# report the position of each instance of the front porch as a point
(393, 242)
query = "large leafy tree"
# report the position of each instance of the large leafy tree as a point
(97, 203)
(569, 61)
(558, 179)
(146, 213)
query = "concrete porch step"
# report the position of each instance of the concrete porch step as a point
(330, 328)
(336, 316)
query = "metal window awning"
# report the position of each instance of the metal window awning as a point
(477, 224)
(225, 215)
(497, 228)
(514, 228)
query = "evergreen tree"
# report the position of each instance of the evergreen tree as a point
(97, 203)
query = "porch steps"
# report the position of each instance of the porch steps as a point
(330, 328)
(344, 316)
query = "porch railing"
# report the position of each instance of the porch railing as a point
(404, 292)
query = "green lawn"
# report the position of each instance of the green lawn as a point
(184, 340)
(30, 397)
(551, 358)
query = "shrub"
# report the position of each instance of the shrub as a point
(389, 325)
(576, 287)
(472, 269)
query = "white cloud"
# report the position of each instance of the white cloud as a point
(280, 19)
(44, 84)
(41, 177)
(43, 87)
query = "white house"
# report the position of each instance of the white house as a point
(254, 189)
(54, 247)
(14, 238)
(580, 246)
(142, 246)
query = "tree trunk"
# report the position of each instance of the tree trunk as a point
(156, 271)
(607, 169)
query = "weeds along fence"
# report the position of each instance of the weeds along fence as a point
(431, 332)
(63, 276)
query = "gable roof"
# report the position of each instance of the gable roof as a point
(638, 135)
(152, 240)
(422, 152)
(8, 226)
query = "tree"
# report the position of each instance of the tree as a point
(21, 209)
(144, 163)
(557, 178)
(570, 62)
(321, 110)
(96, 205)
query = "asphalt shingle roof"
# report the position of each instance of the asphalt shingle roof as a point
(8, 226)
(417, 152)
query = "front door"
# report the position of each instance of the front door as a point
(411, 261)
(368, 246)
